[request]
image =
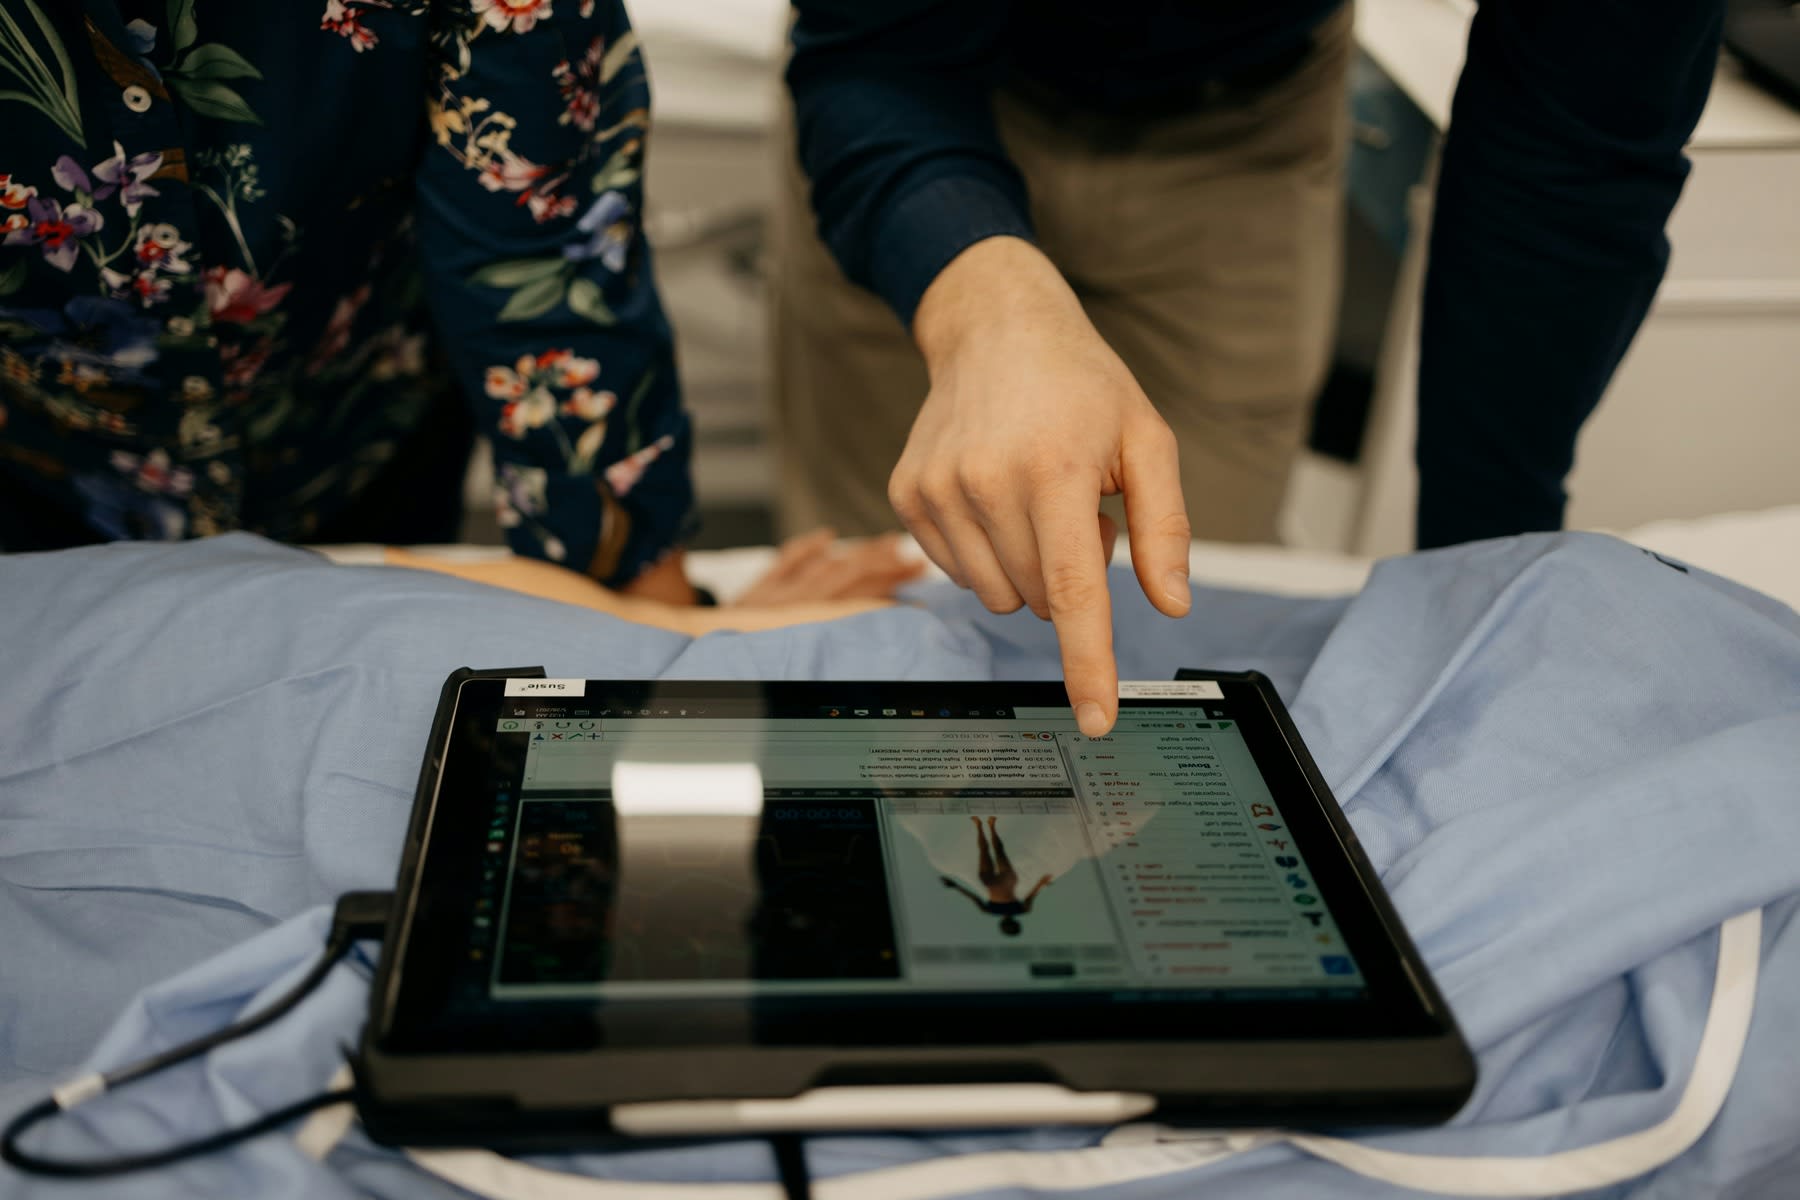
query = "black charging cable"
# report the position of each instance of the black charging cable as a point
(790, 1166)
(358, 915)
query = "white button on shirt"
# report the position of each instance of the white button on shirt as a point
(137, 99)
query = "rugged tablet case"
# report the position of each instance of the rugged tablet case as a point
(549, 1101)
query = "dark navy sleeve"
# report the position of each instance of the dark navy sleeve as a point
(1562, 163)
(892, 109)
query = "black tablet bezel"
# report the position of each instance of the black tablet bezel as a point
(1401, 1031)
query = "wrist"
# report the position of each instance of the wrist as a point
(994, 283)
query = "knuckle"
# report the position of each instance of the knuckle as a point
(999, 602)
(939, 492)
(983, 484)
(1031, 590)
(1050, 471)
(903, 493)
(1150, 437)
(1173, 525)
(1027, 574)
(1157, 434)
(1070, 587)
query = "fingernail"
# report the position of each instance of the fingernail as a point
(1175, 586)
(1090, 718)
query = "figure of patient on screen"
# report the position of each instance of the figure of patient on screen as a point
(996, 873)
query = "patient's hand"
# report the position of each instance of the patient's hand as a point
(817, 567)
(810, 581)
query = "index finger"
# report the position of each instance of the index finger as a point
(1074, 566)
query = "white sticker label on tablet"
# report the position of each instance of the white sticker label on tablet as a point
(1163, 689)
(546, 687)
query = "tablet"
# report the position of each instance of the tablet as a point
(633, 908)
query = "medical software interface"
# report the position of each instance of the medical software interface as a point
(686, 849)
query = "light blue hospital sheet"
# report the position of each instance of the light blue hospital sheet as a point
(1572, 762)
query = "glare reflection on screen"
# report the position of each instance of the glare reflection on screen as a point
(641, 789)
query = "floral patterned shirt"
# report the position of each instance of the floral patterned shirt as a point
(240, 239)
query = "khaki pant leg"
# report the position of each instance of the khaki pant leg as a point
(846, 380)
(1207, 251)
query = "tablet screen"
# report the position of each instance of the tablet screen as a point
(753, 857)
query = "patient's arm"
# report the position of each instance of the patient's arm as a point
(953, 884)
(812, 580)
(816, 566)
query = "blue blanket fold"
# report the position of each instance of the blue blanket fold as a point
(1570, 760)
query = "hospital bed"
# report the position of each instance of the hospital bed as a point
(1760, 549)
(1574, 763)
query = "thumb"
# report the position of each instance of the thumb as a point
(1156, 515)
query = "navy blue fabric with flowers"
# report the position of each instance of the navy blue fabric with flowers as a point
(247, 245)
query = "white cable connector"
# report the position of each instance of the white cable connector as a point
(79, 1090)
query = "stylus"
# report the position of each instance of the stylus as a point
(923, 1107)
